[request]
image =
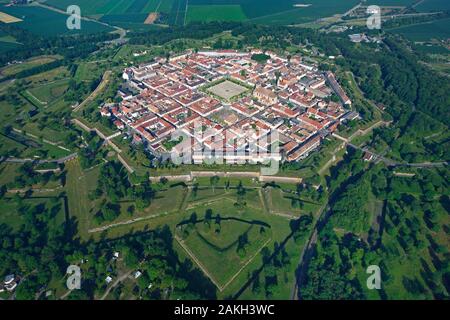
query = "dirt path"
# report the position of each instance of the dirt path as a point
(65, 295)
(122, 223)
(115, 283)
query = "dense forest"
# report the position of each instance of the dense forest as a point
(407, 236)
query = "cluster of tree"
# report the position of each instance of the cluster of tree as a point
(92, 153)
(329, 274)
(240, 196)
(193, 31)
(27, 177)
(310, 189)
(411, 143)
(69, 46)
(260, 57)
(275, 271)
(35, 252)
(39, 69)
(301, 227)
(78, 90)
(408, 230)
(404, 21)
(114, 184)
(59, 121)
(242, 244)
(40, 250)
(408, 89)
(164, 276)
(224, 44)
(349, 212)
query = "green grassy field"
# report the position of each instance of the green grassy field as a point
(8, 172)
(48, 76)
(86, 72)
(77, 194)
(28, 64)
(282, 202)
(166, 201)
(212, 248)
(51, 91)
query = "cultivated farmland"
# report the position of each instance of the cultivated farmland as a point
(433, 5)
(215, 13)
(124, 13)
(272, 12)
(6, 18)
(180, 12)
(49, 23)
(437, 29)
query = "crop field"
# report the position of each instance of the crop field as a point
(388, 3)
(208, 13)
(433, 5)
(89, 7)
(119, 12)
(438, 29)
(268, 11)
(106, 7)
(6, 18)
(45, 22)
(133, 13)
